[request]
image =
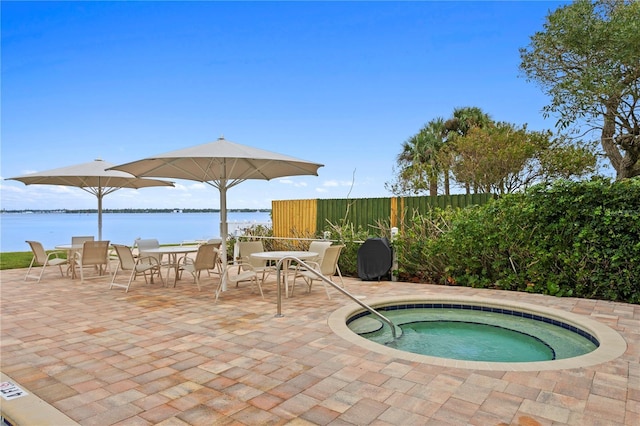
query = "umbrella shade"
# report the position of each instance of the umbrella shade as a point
(92, 177)
(222, 164)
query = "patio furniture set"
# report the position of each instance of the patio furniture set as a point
(87, 258)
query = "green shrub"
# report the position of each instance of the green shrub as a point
(569, 239)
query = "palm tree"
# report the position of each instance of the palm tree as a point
(420, 158)
(463, 120)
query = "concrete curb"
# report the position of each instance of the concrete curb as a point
(30, 410)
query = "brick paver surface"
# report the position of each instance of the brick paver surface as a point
(172, 356)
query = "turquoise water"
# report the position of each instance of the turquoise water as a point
(57, 228)
(489, 343)
(474, 335)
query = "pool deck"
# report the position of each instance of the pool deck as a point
(170, 356)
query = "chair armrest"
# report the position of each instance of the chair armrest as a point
(149, 259)
(241, 264)
(312, 264)
(55, 253)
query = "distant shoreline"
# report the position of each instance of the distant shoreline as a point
(29, 211)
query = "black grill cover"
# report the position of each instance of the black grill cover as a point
(374, 259)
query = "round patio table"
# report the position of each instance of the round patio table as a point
(286, 261)
(172, 253)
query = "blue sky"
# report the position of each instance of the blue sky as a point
(338, 83)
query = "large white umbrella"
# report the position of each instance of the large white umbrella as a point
(222, 164)
(92, 177)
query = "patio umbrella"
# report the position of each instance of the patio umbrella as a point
(222, 164)
(92, 177)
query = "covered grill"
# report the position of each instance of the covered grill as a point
(374, 259)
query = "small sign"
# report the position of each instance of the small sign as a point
(11, 391)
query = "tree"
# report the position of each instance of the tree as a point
(419, 168)
(464, 119)
(485, 156)
(587, 60)
(501, 158)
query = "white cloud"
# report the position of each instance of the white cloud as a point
(337, 183)
(198, 186)
(63, 189)
(297, 184)
(13, 189)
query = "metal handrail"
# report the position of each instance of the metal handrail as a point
(337, 287)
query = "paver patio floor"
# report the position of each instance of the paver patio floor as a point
(170, 356)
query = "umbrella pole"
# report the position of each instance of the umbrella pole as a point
(224, 230)
(100, 215)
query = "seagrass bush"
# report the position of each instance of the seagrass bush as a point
(418, 260)
(567, 239)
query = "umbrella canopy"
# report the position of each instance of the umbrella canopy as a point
(222, 164)
(92, 177)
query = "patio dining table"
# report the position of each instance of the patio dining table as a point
(71, 250)
(285, 256)
(172, 253)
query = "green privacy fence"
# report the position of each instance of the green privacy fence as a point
(291, 217)
(359, 212)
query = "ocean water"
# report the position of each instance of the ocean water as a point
(52, 229)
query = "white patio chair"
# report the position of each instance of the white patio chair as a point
(328, 268)
(319, 247)
(137, 266)
(315, 246)
(149, 243)
(206, 260)
(246, 273)
(79, 240)
(94, 254)
(40, 257)
(245, 249)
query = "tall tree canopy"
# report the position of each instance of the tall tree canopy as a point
(501, 158)
(485, 156)
(418, 166)
(587, 59)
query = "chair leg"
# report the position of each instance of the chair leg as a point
(133, 274)
(113, 278)
(293, 285)
(326, 288)
(257, 283)
(340, 275)
(42, 271)
(307, 281)
(30, 266)
(196, 276)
